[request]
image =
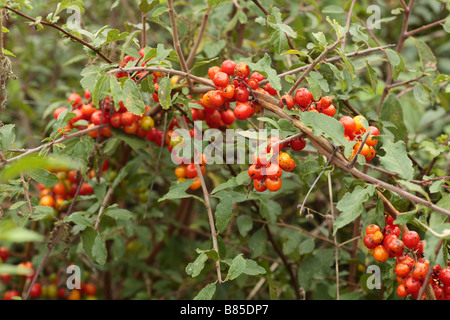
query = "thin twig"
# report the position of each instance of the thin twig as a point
(197, 42)
(97, 51)
(176, 41)
(317, 179)
(208, 208)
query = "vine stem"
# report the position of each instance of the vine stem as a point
(55, 26)
(191, 56)
(43, 146)
(176, 41)
(54, 241)
(208, 209)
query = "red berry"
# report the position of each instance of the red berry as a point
(411, 239)
(303, 97)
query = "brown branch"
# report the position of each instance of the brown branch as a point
(425, 27)
(43, 146)
(191, 56)
(349, 16)
(55, 26)
(176, 41)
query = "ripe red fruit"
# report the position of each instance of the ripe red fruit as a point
(78, 116)
(412, 286)
(242, 111)
(392, 229)
(288, 101)
(330, 111)
(241, 94)
(303, 97)
(191, 171)
(444, 277)
(349, 125)
(36, 290)
(10, 294)
(268, 87)
(395, 247)
(273, 184)
(86, 189)
(324, 103)
(115, 120)
(58, 111)
(127, 118)
(228, 117)
(212, 71)
(297, 144)
(368, 241)
(259, 185)
(402, 270)
(411, 239)
(220, 79)
(255, 172)
(75, 100)
(257, 76)
(242, 70)
(4, 253)
(228, 67)
(273, 171)
(216, 99)
(419, 271)
(213, 119)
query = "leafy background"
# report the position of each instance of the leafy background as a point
(165, 252)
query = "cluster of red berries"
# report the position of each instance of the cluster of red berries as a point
(6, 278)
(268, 166)
(303, 100)
(65, 188)
(188, 170)
(354, 130)
(411, 266)
(234, 83)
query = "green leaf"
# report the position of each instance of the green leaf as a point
(208, 291)
(213, 49)
(99, 252)
(7, 136)
(237, 268)
(372, 75)
(245, 224)
(178, 191)
(317, 84)
(391, 115)
(193, 269)
(327, 127)
(132, 98)
(44, 177)
(252, 268)
(100, 90)
(116, 91)
(257, 243)
(17, 234)
(396, 158)
(351, 206)
(78, 218)
(165, 88)
(223, 213)
(264, 66)
(118, 213)
(427, 58)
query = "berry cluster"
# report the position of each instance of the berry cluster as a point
(65, 188)
(303, 100)
(411, 267)
(188, 170)
(6, 278)
(268, 166)
(354, 130)
(234, 83)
